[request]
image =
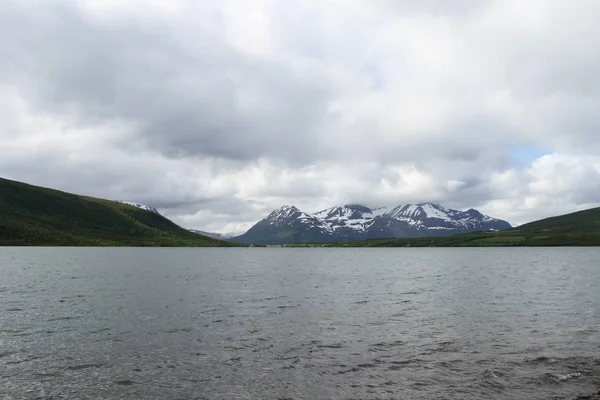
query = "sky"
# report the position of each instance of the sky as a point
(216, 112)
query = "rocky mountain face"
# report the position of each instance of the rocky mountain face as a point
(357, 222)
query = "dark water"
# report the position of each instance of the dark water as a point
(299, 323)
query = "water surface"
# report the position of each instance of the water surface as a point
(118, 323)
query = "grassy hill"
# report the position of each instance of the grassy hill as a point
(32, 215)
(577, 229)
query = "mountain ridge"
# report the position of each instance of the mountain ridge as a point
(580, 228)
(351, 222)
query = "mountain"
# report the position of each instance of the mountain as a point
(32, 215)
(357, 222)
(215, 235)
(287, 225)
(139, 205)
(581, 228)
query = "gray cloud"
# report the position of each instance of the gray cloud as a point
(217, 112)
(198, 98)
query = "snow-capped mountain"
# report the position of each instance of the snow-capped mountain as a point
(357, 222)
(287, 215)
(428, 219)
(287, 225)
(139, 205)
(215, 235)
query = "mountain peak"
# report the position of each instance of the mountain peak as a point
(348, 212)
(284, 210)
(285, 213)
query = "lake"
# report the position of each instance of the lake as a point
(148, 323)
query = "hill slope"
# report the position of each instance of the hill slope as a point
(32, 215)
(581, 228)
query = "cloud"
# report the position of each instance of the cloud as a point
(218, 111)
(553, 184)
(185, 95)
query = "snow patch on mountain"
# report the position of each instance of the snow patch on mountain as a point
(351, 216)
(139, 205)
(417, 213)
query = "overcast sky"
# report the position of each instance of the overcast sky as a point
(218, 111)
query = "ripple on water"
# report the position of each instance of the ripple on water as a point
(85, 366)
(126, 382)
(331, 346)
(21, 359)
(386, 346)
(65, 318)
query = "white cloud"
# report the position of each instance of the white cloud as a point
(553, 184)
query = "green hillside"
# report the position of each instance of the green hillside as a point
(278, 236)
(577, 229)
(32, 215)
